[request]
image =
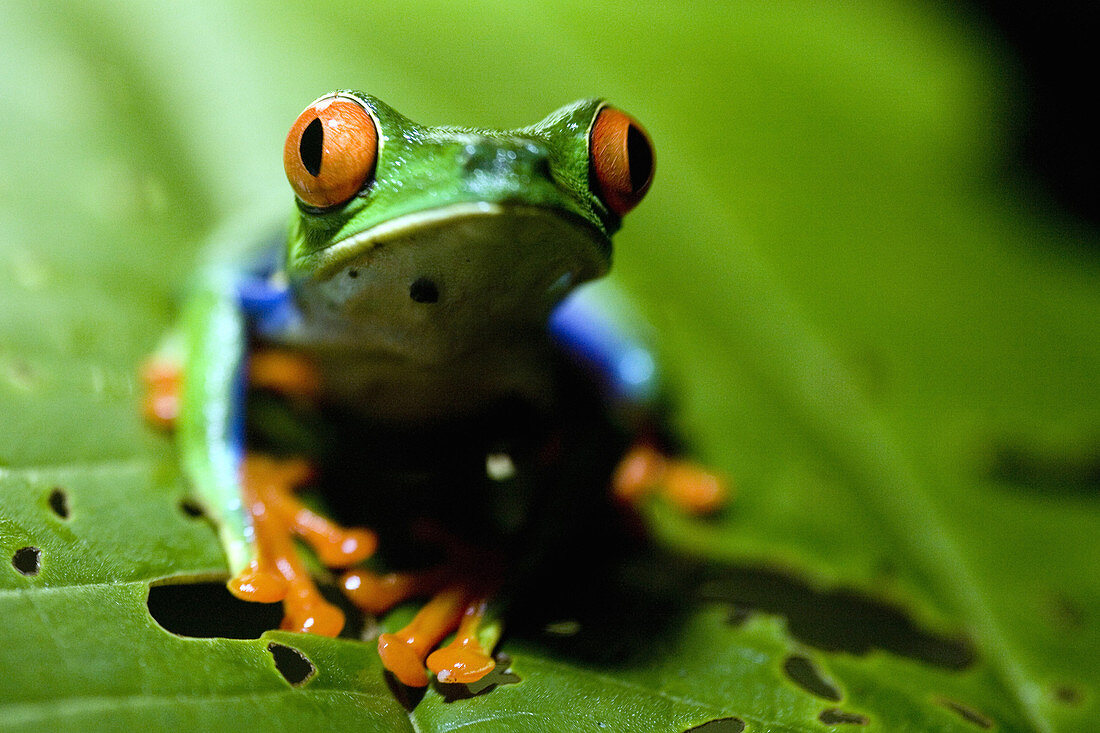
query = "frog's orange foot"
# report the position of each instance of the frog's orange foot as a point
(277, 572)
(285, 372)
(406, 652)
(464, 660)
(455, 604)
(644, 470)
(162, 379)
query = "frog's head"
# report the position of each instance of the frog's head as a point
(492, 226)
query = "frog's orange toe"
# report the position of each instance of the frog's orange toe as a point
(637, 473)
(284, 372)
(460, 664)
(278, 572)
(403, 653)
(163, 380)
(695, 489)
(377, 594)
(258, 586)
(313, 616)
(345, 547)
(402, 656)
(688, 485)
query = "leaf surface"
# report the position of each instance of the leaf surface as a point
(892, 350)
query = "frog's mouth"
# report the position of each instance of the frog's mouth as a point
(464, 267)
(408, 225)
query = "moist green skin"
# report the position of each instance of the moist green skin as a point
(505, 223)
(419, 168)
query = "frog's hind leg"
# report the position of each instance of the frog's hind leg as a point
(277, 572)
(645, 470)
(162, 377)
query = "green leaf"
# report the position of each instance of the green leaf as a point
(893, 350)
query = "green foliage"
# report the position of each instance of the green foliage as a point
(894, 352)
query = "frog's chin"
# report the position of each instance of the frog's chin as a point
(476, 213)
(452, 276)
(473, 265)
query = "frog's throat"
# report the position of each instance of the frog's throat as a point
(332, 258)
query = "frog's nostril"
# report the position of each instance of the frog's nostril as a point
(505, 156)
(424, 290)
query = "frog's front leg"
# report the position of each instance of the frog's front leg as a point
(250, 497)
(277, 572)
(598, 330)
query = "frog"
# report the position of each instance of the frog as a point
(431, 282)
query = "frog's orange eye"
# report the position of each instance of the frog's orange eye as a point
(622, 159)
(330, 152)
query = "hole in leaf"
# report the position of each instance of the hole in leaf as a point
(836, 716)
(59, 502)
(27, 560)
(207, 610)
(719, 725)
(840, 620)
(804, 673)
(1068, 695)
(966, 713)
(1054, 469)
(191, 508)
(294, 666)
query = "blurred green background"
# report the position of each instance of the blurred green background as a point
(884, 330)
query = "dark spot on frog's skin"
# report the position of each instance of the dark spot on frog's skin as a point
(353, 273)
(424, 290)
(966, 713)
(836, 716)
(294, 666)
(806, 675)
(311, 146)
(27, 560)
(59, 503)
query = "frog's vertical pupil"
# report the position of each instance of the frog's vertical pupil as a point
(424, 290)
(640, 156)
(312, 145)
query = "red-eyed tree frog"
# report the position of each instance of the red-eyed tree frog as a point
(422, 293)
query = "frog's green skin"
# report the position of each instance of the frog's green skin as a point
(504, 223)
